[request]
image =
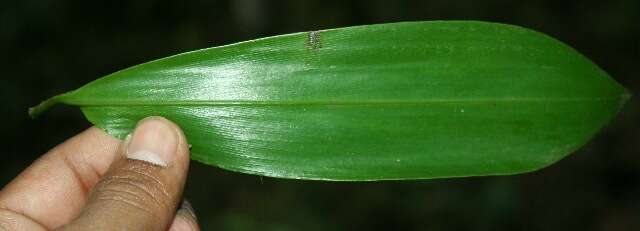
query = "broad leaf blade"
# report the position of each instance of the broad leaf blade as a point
(391, 101)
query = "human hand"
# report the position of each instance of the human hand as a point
(96, 182)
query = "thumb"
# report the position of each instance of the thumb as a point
(142, 189)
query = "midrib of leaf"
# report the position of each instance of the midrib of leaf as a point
(326, 102)
(64, 98)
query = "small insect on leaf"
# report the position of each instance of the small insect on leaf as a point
(412, 100)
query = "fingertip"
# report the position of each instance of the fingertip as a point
(185, 219)
(94, 134)
(158, 141)
(187, 210)
(180, 223)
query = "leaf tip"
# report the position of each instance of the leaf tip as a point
(37, 110)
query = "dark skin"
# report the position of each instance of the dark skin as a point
(94, 181)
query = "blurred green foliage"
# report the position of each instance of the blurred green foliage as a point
(48, 47)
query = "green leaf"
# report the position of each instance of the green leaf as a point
(411, 100)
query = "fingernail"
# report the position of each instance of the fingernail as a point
(186, 208)
(154, 141)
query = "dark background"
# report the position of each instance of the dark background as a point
(52, 46)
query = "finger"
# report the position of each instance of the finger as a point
(10, 220)
(185, 219)
(141, 191)
(53, 190)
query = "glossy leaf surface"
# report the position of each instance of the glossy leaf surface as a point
(408, 100)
